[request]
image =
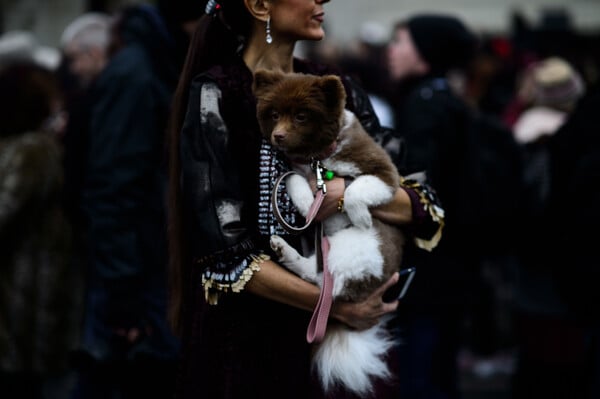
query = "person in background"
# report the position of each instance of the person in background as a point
(38, 293)
(251, 343)
(85, 45)
(365, 62)
(127, 348)
(20, 46)
(556, 87)
(430, 117)
(575, 174)
(553, 341)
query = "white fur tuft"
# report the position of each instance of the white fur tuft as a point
(354, 255)
(347, 119)
(353, 359)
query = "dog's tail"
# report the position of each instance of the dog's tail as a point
(353, 359)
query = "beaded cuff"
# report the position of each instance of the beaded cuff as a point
(430, 203)
(222, 277)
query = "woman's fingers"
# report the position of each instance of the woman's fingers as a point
(365, 314)
(386, 307)
(335, 190)
(384, 287)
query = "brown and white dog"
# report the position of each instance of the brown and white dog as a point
(304, 116)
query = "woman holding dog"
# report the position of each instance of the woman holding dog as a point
(242, 317)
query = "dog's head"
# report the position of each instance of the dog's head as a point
(299, 114)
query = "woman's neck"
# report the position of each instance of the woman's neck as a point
(274, 57)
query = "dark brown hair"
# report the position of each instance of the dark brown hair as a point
(217, 40)
(27, 92)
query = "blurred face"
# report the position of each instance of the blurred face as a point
(297, 19)
(85, 62)
(403, 57)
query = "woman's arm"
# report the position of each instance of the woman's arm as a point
(414, 205)
(398, 211)
(276, 283)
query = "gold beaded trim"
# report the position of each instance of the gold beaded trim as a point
(427, 198)
(214, 289)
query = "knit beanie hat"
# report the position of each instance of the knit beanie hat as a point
(442, 41)
(556, 84)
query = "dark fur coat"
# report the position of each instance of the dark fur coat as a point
(36, 298)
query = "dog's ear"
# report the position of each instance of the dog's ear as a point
(263, 80)
(335, 94)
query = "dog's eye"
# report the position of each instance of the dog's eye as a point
(300, 117)
(275, 115)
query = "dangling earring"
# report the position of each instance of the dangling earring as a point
(212, 7)
(269, 37)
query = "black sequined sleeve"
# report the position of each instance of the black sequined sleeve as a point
(222, 244)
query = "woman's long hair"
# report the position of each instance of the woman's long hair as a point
(217, 40)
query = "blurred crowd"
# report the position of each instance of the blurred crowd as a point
(83, 309)
(515, 301)
(82, 205)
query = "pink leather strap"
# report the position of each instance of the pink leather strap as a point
(318, 322)
(312, 212)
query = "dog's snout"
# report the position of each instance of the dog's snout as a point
(278, 136)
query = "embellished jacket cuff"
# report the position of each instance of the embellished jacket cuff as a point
(228, 271)
(428, 215)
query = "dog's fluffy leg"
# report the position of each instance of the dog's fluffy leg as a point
(300, 193)
(304, 267)
(353, 359)
(364, 192)
(354, 255)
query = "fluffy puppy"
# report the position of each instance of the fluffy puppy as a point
(304, 117)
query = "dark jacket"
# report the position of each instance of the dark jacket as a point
(572, 215)
(431, 120)
(123, 196)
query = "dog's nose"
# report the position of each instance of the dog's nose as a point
(278, 136)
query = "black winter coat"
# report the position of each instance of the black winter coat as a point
(124, 189)
(573, 215)
(432, 122)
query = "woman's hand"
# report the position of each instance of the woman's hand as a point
(365, 314)
(335, 191)
(397, 212)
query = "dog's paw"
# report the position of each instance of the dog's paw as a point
(277, 245)
(359, 215)
(284, 251)
(290, 258)
(300, 193)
